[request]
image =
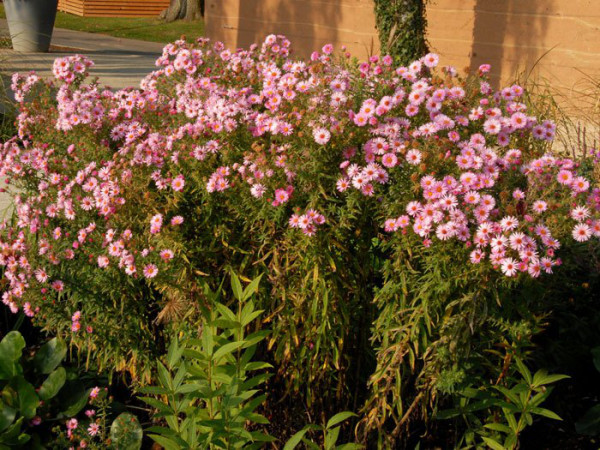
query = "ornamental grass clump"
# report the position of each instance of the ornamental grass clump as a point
(373, 197)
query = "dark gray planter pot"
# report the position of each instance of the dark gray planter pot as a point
(30, 23)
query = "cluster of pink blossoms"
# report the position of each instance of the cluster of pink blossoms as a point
(254, 123)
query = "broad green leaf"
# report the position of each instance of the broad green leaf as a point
(50, 355)
(7, 416)
(126, 432)
(589, 424)
(338, 418)
(73, 397)
(53, 384)
(11, 348)
(28, 399)
(596, 357)
(352, 446)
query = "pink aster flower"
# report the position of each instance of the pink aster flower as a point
(321, 136)
(509, 267)
(178, 183)
(150, 271)
(582, 232)
(176, 220)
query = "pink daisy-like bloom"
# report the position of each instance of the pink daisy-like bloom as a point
(178, 183)
(166, 255)
(413, 157)
(150, 271)
(93, 429)
(582, 232)
(342, 184)
(492, 126)
(102, 261)
(509, 223)
(94, 392)
(321, 136)
(476, 256)
(580, 213)
(565, 177)
(176, 220)
(389, 160)
(509, 267)
(539, 206)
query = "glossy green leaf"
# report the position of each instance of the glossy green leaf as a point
(11, 348)
(7, 416)
(50, 355)
(53, 384)
(28, 399)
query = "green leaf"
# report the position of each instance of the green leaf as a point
(227, 349)
(331, 437)
(7, 416)
(73, 397)
(589, 424)
(523, 370)
(166, 442)
(498, 427)
(53, 384)
(338, 418)
(28, 399)
(11, 348)
(126, 432)
(596, 357)
(542, 378)
(493, 444)
(352, 446)
(251, 289)
(296, 439)
(236, 287)
(50, 355)
(546, 413)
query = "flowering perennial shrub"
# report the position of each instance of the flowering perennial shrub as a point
(261, 162)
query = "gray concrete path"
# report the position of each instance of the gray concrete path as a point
(119, 63)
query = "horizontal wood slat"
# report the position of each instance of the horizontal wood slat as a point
(113, 8)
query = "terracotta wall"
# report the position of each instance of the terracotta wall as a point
(309, 24)
(560, 38)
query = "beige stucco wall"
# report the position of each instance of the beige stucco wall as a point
(559, 39)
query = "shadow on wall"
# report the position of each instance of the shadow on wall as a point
(307, 24)
(509, 35)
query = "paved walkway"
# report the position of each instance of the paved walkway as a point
(119, 63)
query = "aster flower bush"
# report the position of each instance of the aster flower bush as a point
(398, 212)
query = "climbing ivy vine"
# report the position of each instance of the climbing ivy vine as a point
(401, 25)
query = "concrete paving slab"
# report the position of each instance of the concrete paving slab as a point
(119, 62)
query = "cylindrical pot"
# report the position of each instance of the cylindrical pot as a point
(30, 23)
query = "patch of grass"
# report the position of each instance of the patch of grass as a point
(145, 29)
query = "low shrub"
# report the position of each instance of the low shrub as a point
(407, 220)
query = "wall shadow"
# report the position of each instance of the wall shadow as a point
(509, 35)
